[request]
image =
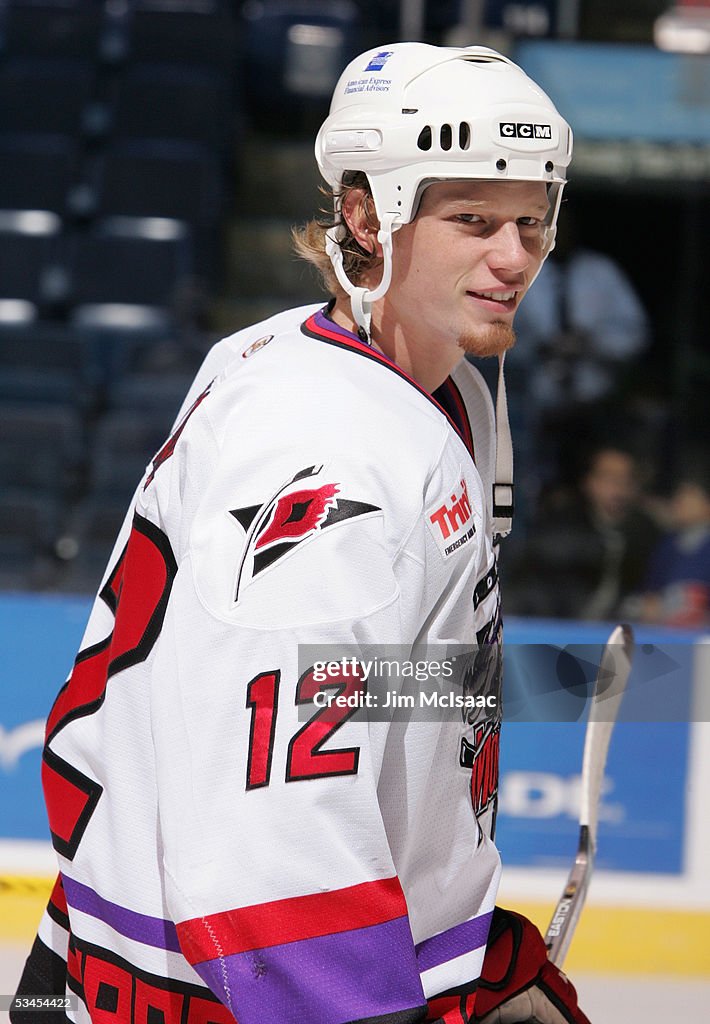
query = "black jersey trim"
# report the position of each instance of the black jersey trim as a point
(459, 414)
(44, 974)
(58, 916)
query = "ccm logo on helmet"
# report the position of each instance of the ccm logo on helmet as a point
(511, 130)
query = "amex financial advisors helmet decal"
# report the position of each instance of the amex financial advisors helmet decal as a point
(409, 114)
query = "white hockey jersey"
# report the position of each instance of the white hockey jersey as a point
(228, 846)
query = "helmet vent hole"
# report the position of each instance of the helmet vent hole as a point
(464, 135)
(445, 136)
(501, 164)
(424, 140)
(549, 166)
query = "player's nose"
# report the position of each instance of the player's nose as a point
(507, 251)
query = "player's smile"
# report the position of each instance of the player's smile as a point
(497, 301)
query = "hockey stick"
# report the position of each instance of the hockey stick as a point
(609, 688)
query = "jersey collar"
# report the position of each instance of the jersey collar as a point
(446, 398)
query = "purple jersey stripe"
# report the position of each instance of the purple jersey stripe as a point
(456, 941)
(366, 972)
(324, 321)
(151, 931)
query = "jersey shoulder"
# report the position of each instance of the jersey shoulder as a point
(290, 387)
(240, 343)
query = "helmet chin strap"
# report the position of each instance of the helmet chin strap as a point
(503, 502)
(361, 299)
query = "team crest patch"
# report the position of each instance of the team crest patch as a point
(451, 522)
(298, 512)
(256, 345)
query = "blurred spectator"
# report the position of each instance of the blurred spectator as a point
(589, 546)
(678, 578)
(579, 328)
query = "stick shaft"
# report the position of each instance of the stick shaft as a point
(609, 687)
(569, 906)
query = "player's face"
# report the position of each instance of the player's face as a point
(463, 265)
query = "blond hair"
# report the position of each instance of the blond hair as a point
(309, 240)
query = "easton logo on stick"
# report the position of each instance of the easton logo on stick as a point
(296, 513)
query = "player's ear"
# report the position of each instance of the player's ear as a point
(359, 214)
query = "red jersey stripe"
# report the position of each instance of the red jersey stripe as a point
(290, 920)
(58, 898)
(452, 1009)
(74, 966)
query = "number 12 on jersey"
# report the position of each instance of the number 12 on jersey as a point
(305, 757)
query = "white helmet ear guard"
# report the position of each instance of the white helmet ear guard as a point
(408, 114)
(361, 299)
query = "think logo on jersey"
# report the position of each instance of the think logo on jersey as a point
(296, 513)
(451, 522)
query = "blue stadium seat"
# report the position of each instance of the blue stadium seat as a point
(204, 34)
(31, 275)
(130, 268)
(42, 447)
(43, 363)
(36, 171)
(294, 54)
(45, 29)
(159, 179)
(45, 96)
(171, 101)
(170, 179)
(29, 524)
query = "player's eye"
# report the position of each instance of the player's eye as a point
(529, 222)
(468, 218)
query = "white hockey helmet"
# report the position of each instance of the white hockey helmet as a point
(409, 114)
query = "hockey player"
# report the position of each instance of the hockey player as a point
(229, 847)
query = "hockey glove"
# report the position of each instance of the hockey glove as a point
(518, 983)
